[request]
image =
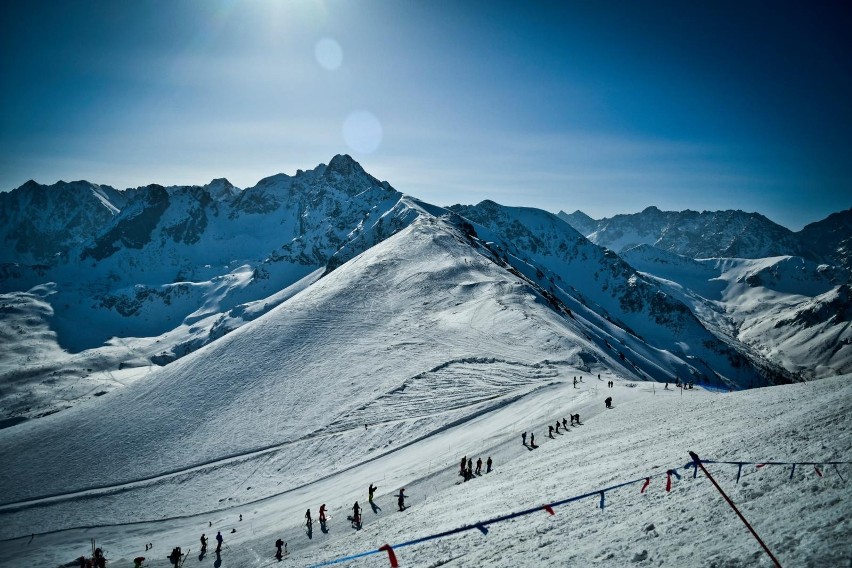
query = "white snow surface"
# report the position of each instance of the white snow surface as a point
(387, 371)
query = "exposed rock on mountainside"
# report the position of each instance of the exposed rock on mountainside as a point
(708, 234)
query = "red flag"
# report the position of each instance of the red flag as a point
(818, 472)
(760, 465)
(391, 555)
(549, 509)
(669, 480)
(645, 485)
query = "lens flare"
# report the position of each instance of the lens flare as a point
(362, 131)
(328, 53)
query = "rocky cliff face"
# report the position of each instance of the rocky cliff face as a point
(39, 224)
(831, 238)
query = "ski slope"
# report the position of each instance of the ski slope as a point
(804, 519)
(388, 370)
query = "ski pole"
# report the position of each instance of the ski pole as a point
(698, 463)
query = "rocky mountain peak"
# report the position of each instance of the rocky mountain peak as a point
(584, 224)
(344, 165)
(221, 188)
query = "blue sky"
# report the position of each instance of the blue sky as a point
(607, 107)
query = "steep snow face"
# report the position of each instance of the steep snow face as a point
(416, 334)
(697, 235)
(39, 223)
(582, 274)
(165, 235)
(793, 311)
(221, 189)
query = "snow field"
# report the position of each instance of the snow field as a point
(804, 520)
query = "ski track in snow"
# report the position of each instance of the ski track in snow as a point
(648, 431)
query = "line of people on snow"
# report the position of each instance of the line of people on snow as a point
(177, 556)
(466, 470)
(466, 467)
(355, 517)
(679, 384)
(575, 421)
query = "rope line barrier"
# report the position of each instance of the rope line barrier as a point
(481, 526)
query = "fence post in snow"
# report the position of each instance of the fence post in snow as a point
(698, 464)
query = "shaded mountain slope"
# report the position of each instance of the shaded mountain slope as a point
(582, 274)
(792, 311)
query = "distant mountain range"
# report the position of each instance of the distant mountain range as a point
(101, 287)
(719, 234)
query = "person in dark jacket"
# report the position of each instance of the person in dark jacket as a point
(175, 556)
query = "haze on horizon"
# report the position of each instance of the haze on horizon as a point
(606, 107)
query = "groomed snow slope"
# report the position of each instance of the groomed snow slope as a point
(804, 519)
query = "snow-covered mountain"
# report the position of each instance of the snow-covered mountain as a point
(782, 294)
(583, 275)
(171, 270)
(791, 310)
(219, 352)
(158, 272)
(708, 234)
(39, 224)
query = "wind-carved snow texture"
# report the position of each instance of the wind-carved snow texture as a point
(461, 383)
